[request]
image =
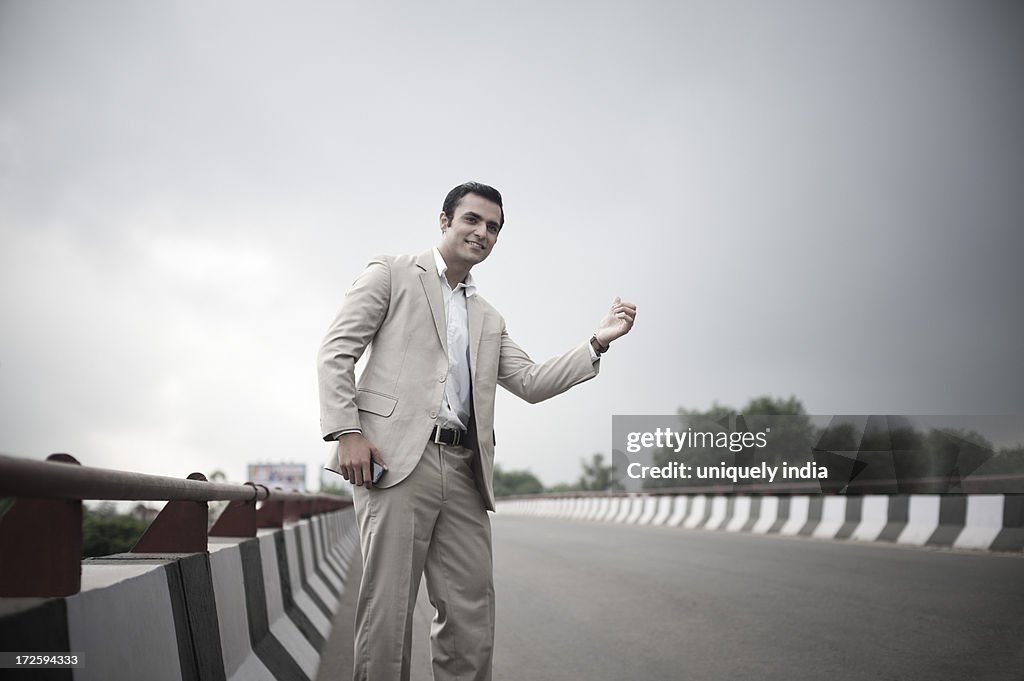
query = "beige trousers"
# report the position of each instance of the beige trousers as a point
(433, 523)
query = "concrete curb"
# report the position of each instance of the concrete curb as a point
(993, 522)
(252, 608)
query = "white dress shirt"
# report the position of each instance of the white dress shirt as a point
(455, 406)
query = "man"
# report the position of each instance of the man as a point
(423, 409)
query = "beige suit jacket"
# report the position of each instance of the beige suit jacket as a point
(396, 309)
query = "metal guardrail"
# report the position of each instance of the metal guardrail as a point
(53, 480)
(41, 533)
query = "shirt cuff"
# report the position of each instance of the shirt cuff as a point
(337, 434)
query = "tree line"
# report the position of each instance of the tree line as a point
(869, 458)
(872, 454)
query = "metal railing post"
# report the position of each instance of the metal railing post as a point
(179, 528)
(41, 545)
(238, 519)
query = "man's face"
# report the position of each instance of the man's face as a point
(469, 236)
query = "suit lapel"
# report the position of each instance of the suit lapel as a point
(432, 289)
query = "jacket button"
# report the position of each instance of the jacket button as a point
(433, 414)
(443, 378)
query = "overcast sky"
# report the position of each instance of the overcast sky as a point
(803, 198)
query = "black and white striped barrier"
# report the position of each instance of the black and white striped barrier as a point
(978, 521)
(257, 608)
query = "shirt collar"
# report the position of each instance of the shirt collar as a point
(469, 284)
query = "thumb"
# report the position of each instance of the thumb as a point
(376, 457)
(616, 301)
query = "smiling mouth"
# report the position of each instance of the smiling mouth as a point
(477, 245)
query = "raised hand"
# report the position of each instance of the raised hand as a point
(617, 322)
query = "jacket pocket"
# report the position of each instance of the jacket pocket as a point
(375, 403)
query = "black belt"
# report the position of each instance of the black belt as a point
(447, 436)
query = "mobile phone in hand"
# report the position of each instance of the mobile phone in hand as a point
(376, 472)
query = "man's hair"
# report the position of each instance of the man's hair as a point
(451, 202)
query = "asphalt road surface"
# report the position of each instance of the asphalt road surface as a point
(595, 601)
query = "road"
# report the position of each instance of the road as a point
(596, 601)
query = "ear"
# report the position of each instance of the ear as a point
(443, 220)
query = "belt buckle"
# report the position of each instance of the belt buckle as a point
(456, 436)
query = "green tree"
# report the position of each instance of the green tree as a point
(1007, 461)
(598, 476)
(512, 483)
(791, 439)
(105, 531)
